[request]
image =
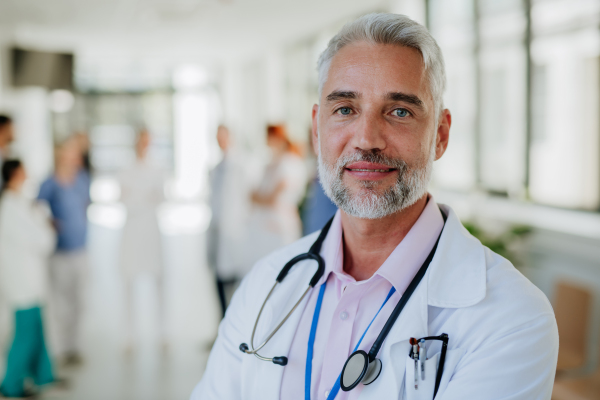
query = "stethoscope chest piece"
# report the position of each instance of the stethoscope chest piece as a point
(373, 371)
(358, 369)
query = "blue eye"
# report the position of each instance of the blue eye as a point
(401, 112)
(345, 110)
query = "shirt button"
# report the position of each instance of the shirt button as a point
(343, 315)
(326, 393)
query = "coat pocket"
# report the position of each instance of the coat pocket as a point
(420, 378)
(426, 386)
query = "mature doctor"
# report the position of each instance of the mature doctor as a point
(379, 126)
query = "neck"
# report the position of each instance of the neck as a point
(369, 242)
(65, 174)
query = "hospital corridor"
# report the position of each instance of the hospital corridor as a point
(162, 163)
(152, 370)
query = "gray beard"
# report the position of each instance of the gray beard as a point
(367, 202)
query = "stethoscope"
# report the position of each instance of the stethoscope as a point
(360, 367)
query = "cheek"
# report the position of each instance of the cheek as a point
(411, 148)
(332, 149)
(332, 142)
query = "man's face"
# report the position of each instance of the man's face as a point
(376, 129)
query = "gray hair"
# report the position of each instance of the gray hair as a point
(395, 29)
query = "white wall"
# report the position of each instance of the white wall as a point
(33, 135)
(29, 109)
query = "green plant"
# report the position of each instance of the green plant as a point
(508, 243)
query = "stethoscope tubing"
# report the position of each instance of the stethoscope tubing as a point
(313, 254)
(263, 344)
(401, 303)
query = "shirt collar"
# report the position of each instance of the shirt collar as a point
(402, 264)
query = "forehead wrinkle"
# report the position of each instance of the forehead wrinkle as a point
(368, 63)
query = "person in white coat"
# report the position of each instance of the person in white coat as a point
(422, 308)
(7, 136)
(275, 220)
(142, 191)
(26, 242)
(230, 185)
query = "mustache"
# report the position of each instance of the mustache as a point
(373, 156)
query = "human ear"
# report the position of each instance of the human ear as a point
(443, 133)
(315, 129)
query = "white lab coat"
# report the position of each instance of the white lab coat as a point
(503, 335)
(271, 227)
(231, 183)
(26, 241)
(142, 191)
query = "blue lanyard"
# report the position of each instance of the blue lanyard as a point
(311, 344)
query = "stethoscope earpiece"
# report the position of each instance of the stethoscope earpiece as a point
(280, 360)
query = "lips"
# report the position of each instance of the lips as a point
(369, 171)
(364, 166)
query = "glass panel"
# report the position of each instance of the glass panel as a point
(453, 26)
(565, 148)
(503, 123)
(114, 118)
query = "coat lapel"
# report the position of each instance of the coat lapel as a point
(456, 278)
(412, 322)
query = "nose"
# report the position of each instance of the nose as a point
(369, 132)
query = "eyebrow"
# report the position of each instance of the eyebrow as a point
(342, 95)
(407, 98)
(392, 96)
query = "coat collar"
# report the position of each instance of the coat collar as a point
(457, 273)
(455, 278)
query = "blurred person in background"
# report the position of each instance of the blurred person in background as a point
(67, 192)
(26, 242)
(6, 137)
(142, 191)
(317, 208)
(229, 201)
(83, 141)
(275, 220)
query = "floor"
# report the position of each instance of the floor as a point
(152, 371)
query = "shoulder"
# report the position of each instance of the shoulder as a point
(480, 295)
(7, 202)
(13, 207)
(261, 278)
(512, 307)
(511, 294)
(274, 262)
(47, 188)
(83, 176)
(48, 184)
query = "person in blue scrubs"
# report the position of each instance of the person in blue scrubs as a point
(67, 193)
(318, 209)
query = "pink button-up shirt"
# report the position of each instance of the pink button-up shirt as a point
(349, 306)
